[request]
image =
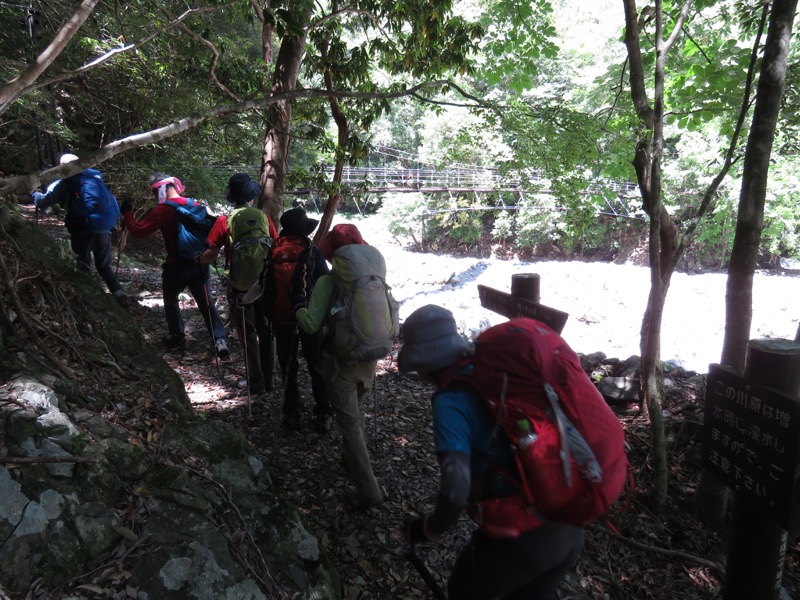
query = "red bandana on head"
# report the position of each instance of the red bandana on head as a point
(161, 186)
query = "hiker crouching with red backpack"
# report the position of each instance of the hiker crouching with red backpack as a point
(246, 234)
(178, 270)
(520, 555)
(355, 304)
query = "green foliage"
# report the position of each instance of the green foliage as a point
(781, 232)
(519, 37)
(405, 214)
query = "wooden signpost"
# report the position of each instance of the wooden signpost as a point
(751, 427)
(523, 301)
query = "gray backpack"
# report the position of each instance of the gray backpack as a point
(365, 315)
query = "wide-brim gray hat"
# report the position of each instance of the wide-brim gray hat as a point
(431, 341)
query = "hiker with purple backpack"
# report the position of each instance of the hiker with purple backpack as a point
(525, 556)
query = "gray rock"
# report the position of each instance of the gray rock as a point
(620, 389)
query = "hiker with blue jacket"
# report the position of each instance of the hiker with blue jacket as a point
(347, 379)
(85, 241)
(522, 557)
(177, 274)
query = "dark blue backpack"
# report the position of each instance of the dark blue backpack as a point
(194, 225)
(93, 206)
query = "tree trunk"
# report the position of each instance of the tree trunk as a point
(334, 199)
(750, 218)
(278, 121)
(663, 244)
(712, 496)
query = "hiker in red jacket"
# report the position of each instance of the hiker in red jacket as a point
(249, 320)
(532, 558)
(176, 274)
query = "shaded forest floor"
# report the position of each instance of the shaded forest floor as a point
(638, 555)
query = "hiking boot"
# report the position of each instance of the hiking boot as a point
(121, 295)
(174, 343)
(356, 503)
(323, 423)
(293, 421)
(221, 349)
(255, 388)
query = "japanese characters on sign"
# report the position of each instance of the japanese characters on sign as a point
(750, 440)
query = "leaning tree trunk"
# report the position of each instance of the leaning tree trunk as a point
(278, 121)
(335, 198)
(712, 496)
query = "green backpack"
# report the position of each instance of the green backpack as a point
(249, 232)
(365, 315)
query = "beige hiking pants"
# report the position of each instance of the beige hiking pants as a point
(348, 383)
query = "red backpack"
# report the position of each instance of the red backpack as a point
(569, 445)
(285, 254)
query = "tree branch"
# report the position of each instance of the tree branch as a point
(18, 86)
(638, 89)
(678, 26)
(711, 191)
(25, 183)
(212, 73)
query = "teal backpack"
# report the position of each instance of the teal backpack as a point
(194, 225)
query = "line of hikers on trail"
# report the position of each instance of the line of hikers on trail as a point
(525, 443)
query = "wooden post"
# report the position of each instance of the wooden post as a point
(757, 544)
(525, 286)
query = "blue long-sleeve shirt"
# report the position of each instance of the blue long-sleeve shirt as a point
(55, 192)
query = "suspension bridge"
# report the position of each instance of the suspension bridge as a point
(401, 172)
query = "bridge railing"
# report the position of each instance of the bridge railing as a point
(387, 179)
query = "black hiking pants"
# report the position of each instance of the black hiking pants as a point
(530, 567)
(287, 338)
(84, 245)
(253, 329)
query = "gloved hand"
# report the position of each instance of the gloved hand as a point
(126, 206)
(414, 531)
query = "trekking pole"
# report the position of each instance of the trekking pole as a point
(246, 360)
(210, 324)
(123, 236)
(374, 417)
(425, 573)
(285, 384)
